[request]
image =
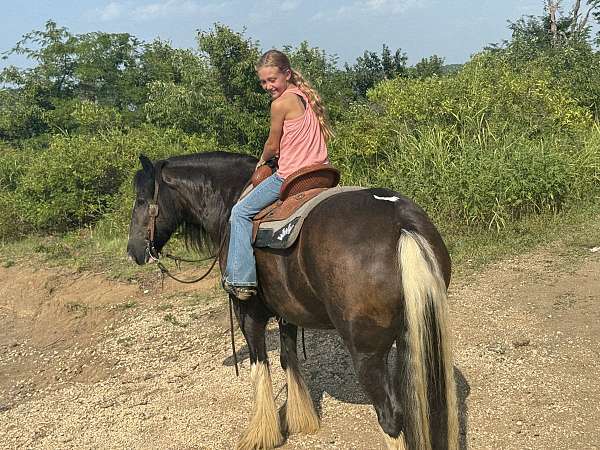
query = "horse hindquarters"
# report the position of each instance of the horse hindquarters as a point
(415, 402)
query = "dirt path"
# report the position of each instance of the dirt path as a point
(91, 363)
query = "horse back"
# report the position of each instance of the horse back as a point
(345, 262)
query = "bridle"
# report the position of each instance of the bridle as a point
(151, 228)
(154, 254)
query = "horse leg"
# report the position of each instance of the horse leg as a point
(300, 414)
(381, 386)
(263, 431)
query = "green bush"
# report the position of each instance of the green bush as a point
(482, 147)
(79, 178)
(483, 179)
(13, 224)
(488, 92)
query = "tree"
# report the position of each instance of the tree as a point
(322, 72)
(561, 44)
(427, 67)
(371, 68)
(233, 58)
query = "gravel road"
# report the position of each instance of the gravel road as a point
(86, 362)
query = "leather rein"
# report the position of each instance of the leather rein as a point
(154, 255)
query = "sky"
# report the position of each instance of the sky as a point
(451, 29)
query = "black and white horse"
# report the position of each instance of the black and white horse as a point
(368, 263)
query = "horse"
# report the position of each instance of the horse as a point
(368, 263)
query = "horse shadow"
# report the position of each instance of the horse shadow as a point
(328, 369)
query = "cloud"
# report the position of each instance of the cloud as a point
(159, 9)
(166, 8)
(111, 11)
(265, 11)
(359, 9)
(289, 5)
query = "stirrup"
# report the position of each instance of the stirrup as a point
(242, 293)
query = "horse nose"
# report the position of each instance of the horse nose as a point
(130, 258)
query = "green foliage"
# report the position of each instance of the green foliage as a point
(80, 178)
(478, 180)
(20, 116)
(371, 68)
(485, 146)
(428, 67)
(110, 70)
(216, 93)
(509, 134)
(488, 90)
(321, 70)
(568, 56)
(233, 58)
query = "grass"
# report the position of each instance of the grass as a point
(471, 250)
(173, 320)
(85, 250)
(78, 309)
(126, 305)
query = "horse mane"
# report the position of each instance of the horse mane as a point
(208, 184)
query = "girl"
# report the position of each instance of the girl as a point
(298, 136)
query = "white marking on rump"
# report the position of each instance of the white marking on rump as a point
(387, 199)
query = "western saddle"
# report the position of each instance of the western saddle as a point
(297, 189)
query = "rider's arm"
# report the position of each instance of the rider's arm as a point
(279, 108)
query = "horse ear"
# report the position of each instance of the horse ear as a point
(146, 164)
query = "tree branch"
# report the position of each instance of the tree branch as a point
(585, 19)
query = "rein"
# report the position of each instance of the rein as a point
(154, 255)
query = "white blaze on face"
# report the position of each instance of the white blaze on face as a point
(387, 199)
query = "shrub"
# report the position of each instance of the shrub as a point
(480, 148)
(79, 178)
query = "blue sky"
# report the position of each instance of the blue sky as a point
(451, 29)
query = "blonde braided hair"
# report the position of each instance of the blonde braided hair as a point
(275, 58)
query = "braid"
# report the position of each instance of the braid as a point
(315, 102)
(275, 58)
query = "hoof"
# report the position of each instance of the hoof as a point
(394, 443)
(300, 414)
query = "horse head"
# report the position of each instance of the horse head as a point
(153, 219)
(193, 193)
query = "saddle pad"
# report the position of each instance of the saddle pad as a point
(283, 233)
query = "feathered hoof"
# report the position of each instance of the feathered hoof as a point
(394, 443)
(263, 431)
(300, 414)
(255, 439)
(302, 422)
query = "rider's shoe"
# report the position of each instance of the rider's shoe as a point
(242, 293)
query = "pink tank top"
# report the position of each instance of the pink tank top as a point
(302, 143)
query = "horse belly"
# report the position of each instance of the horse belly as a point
(287, 291)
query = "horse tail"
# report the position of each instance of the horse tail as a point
(429, 369)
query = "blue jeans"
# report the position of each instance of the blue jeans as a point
(241, 265)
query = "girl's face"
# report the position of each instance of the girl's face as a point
(274, 80)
